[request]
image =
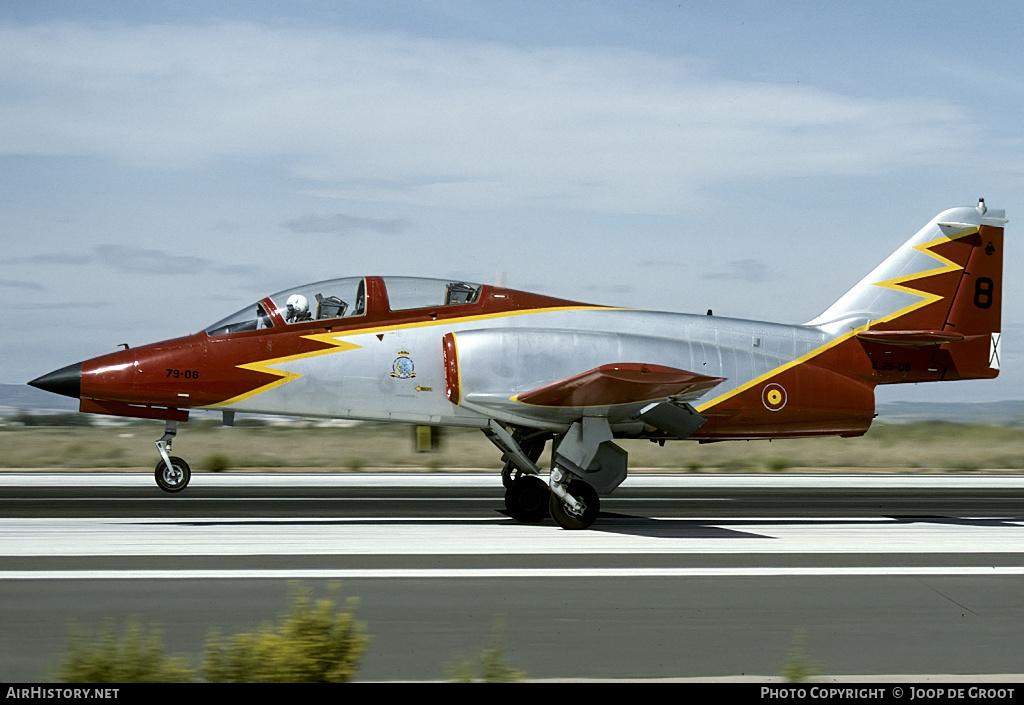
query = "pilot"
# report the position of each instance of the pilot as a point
(297, 309)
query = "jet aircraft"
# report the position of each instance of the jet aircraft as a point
(527, 369)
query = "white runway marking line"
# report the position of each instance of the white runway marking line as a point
(302, 536)
(477, 573)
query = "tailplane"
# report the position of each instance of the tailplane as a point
(932, 310)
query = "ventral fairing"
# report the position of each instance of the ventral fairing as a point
(527, 369)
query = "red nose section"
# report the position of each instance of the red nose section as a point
(147, 382)
(163, 374)
(152, 381)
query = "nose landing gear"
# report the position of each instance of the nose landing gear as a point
(175, 477)
(172, 473)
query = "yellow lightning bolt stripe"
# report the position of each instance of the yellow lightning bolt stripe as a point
(897, 284)
(284, 377)
(339, 345)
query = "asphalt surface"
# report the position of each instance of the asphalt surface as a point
(680, 577)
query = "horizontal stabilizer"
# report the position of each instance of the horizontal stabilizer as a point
(911, 337)
(620, 383)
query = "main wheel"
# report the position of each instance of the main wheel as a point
(527, 499)
(174, 478)
(568, 519)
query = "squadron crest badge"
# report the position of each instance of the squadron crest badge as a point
(403, 367)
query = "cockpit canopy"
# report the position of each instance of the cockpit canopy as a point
(344, 298)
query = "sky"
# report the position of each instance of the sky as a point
(164, 164)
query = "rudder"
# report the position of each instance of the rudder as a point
(976, 311)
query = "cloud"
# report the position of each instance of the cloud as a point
(61, 258)
(447, 123)
(125, 258)
(341, 224)
(139, 260)
(21, 285)
(752, 271)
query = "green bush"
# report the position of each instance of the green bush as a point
(494, 666)
(216, 462)
(135, 657)
(797, 668)
(313, 643)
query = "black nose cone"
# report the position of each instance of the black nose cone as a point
(66, 381)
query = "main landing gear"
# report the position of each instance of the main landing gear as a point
(584, 463)
(172, 473)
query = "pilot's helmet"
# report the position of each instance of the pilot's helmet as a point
(296, 305)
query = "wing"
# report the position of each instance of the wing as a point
(620, 383)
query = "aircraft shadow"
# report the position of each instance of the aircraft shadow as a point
(729, 528)
(607, 523)
(629, 525)
(632, 525)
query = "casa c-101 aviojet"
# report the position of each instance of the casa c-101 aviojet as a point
(527, 369)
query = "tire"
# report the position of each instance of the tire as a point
(175, 478)
(591, 507)
(527, 499)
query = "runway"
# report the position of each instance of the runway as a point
(681, 576)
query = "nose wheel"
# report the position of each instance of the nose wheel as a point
(172, 473)
(173, 477)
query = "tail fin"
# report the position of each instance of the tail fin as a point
(932, 310)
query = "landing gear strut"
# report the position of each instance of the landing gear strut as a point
(172, 473)
(580, 511)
